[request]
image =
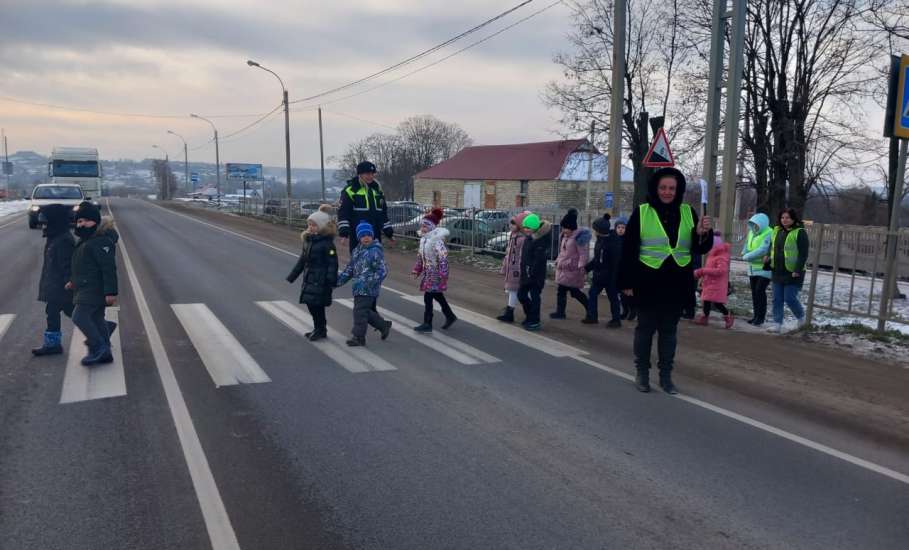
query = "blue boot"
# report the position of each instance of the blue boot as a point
(99, 356)
(53, 344)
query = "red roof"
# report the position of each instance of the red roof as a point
(522, 161)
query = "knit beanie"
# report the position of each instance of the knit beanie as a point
(88, 211)
(363, 229)
(621, 221)
(321, 219)
(570, 220)
(433, 219)
(601, 225)
(518, 218)
(532, 222)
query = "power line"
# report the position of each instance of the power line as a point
(352, 117)
(117, 113)
(418, 56)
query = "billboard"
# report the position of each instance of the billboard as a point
(248, 172)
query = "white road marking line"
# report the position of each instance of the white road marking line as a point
(357, 359)
(217, 522)
(224, 357)
(98, 382)
(578, 354)
(519, 335)
(6, 320)
(446, 345)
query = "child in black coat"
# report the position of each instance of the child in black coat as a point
(607, 254)
(55, 273)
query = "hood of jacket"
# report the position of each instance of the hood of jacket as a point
(355, 184)
(439, 233)
(758, 223)
(543, 231)
(583, 236)
(106, 229)
(653, 197)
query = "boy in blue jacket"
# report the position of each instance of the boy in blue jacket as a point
(367, 270)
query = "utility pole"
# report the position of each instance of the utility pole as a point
(322, 154)
(615, 110)
(217, 155)
(7, 169)
(593, 125)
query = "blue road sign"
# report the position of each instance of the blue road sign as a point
(248, 172)
(901, 116)
(194, 177)
(608, 200)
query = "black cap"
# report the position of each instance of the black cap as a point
(88, 211)
(366, 167)
(570, 220)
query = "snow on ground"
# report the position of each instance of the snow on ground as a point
(8, 208)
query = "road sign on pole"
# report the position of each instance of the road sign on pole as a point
(901, 112)
(194, 177)
(608, 201)
(659, 155)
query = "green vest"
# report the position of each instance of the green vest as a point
(790, 249)
(755, 240)
(655, 245)
(367, 193)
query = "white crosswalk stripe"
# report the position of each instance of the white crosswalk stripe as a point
(442, 343)
(97, 382)
(5, 321)
(224, 357)
(356, 360)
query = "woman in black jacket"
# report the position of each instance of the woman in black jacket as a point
(660, 293)
(319, 264)
(55, 273)
(787, 266)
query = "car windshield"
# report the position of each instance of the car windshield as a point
(57, 192)
(75, 169)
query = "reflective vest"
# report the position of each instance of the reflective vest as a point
(754, 242)
(655, 245)
(365, 194)
(790, 249)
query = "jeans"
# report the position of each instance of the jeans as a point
(320, 323)
(53, 311)
(90, 320)
(666, 324)
(562, 298)
(615, 304)
(759, 297)
(365, 314)
(529, 296)
(790, 295)
(428, 297)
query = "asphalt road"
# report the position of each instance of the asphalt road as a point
(487, 439)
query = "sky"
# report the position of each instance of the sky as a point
(175, 57)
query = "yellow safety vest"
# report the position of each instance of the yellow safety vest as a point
(655, 245)
(790, 249)
(754, 242)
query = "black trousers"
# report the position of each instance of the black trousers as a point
(529, 296)
(719, 307)
(428, 297)
(365, 314)
(759, 297)
(320, 324)
(663, 323)
(562, 298)
(53, 311)
(90, 320)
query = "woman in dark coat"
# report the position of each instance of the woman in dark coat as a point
(319, 265)
(788, 255)
(55, 273)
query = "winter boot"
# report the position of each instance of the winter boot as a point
(424, 328)
(53, 345)
(632, 314)
(590, 320)
(449, 321)
(666, 382)
(533, 327)
(730, 320)
(317, 335)
(557, 315)
(642, 380)
(615, 323)
(507, 315)
(701, 320)
(385, 330)
(356, 342)
(99, 356)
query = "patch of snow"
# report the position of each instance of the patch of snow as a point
(8, 208)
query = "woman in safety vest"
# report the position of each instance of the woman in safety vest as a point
(757, 247)
(656, 270)
(788, 254)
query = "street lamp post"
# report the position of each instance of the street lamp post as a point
(165, 188)
(186, 182)
(217, 155)
(252, 63)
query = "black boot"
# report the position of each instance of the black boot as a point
(386, 330)
(642, 380)
(53, 345)
(424, 328)
(666, 382)
(507, 315)
(316, 335)
(449, 320)
(632, 314)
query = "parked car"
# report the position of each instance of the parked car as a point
(409, 228)
(499, 243)
(497, 219)
(275, 207)
(68, 194)
(398, 213)
(468, 232)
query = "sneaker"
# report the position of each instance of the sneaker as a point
(615, 323)
(801, 323)
(356, 342)
(448, 322)
(557, 315)
(667, 385)
(424, 328)
(775, 328)
(589, 321)
(386, 331)
(533, 327)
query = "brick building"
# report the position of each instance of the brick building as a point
(548, 174)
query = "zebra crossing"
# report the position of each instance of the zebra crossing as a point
(229, 363)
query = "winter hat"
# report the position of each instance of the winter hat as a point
(433, 219)
(327, 209)
(622, 220)
(532, 222)
(366, 167)
(88, 211)
(320, 218)
(570, 220)
(518, 218)
(363, 229)
(601, 225)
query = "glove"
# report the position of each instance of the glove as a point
(290, 279)
(389, 232)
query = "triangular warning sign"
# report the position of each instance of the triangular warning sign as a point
(659, 155)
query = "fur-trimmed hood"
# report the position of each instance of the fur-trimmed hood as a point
(544, 230)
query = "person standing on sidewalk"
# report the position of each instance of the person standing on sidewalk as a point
(537, 250)
(571, 263)
(656, 270)
(319, 261)
(605, 268)
(788, 256)
(367, 269)
(432, 269)
(362, 200)
(757, 247)
(55, 273)
(511, 266)
(715, 282)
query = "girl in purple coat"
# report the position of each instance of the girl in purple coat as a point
(432, 269)
(571, 264)
(715, 282)
(511, 267)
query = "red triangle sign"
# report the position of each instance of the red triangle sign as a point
(659, 155)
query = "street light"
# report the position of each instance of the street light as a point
(217, 155)
(185, 160)
(164, 185)
(252, 63)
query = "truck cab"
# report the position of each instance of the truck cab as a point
(76, 166)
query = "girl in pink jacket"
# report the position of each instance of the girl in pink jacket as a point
(715, 282)
(511, 266)
(571, 265)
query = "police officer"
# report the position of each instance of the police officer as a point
(656, 270)
(363, 200)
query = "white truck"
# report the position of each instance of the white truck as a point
(79, 166)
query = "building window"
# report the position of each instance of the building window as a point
(524, 187)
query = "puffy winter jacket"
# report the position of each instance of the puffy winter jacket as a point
(94, 266)
(715, 274)
(535, 256)
(756, 225)
(511, 265)
(607, 255)
(572, 259)
(432, 261)
(319, 265)
(367, 269)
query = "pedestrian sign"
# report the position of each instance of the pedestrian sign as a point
(608, 200)
(901, 114)
(194, 177)
(659, 155)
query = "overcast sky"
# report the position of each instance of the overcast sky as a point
(182, 56)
